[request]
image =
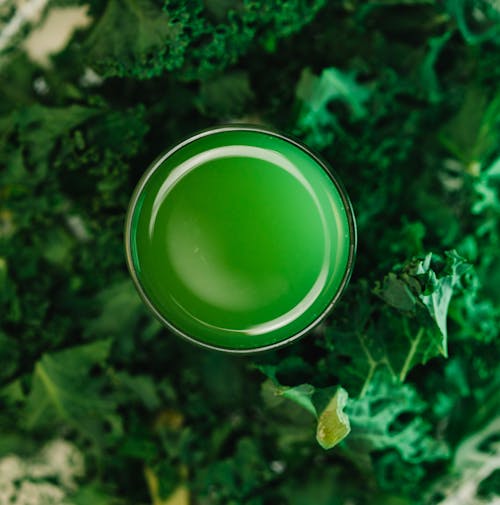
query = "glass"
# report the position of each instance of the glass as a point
(240, 239)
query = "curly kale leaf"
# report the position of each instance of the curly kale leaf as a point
(316, 121)
(137, 38)
(439, 289)
(38, 130)
(388, 417)
(487, 189)
(474, 477)
(407, 330)
(63, 167)
(423, 291)
(130, 34)
(390, 437)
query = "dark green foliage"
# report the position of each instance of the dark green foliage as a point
(193, 38)
(149, 31)
(56, 378)
(400, 385)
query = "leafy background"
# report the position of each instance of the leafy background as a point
(395, 399)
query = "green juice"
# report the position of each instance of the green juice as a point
(239, 239)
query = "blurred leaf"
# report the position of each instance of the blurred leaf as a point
(326, 405)
(63, 390)
(9, 355)
(473, 132)
(92, 494)
(487, 188)
(316, 121)
(41, 127)
(141, 386)
(484, 14)
(147, 31)
(428, 69)
(180, 496)
(477, 458)
(225, 96)
(301, 395)
(118, 299)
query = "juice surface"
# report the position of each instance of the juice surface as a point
(240, 239)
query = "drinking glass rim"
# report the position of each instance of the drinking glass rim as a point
(351, 221)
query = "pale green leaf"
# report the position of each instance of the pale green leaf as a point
(477, 458)
(487, 189)
(316, 121)
(333, 422)
(325, 404)
(443, 287)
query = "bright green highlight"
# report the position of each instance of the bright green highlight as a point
(240, 239)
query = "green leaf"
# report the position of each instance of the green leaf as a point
(409, 118)
(484, 14)
(119, 298)
(225, 96)
(428, 70)
(236, 479)
(378, 423)
(408, 329)
(129, 34)
(219, 8)
(92, 494)
(333, 422)
(142, 386)
(9, 355)
(471, 135)
(326, 405)
(197, 39)
(316, 121)
(13, 392)
(398, 293)
(487, 188)
(477, 459)
(63, 390)
(441, 290)
(40, 128)
(301, 395)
